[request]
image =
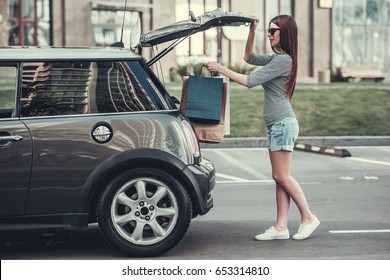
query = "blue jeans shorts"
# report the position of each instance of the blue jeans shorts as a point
(281, 136)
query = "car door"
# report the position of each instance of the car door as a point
(15, 148)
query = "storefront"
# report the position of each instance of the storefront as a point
(331, 33)
(361, 33)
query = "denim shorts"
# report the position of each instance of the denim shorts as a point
(281, 136)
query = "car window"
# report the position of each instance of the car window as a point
(54, 88)
(86, 87)
(7, 91)
(150, 84)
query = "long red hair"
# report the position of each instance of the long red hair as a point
(289, 44)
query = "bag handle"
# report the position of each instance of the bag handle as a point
(201, 68)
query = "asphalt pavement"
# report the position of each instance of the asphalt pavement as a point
(350, 196)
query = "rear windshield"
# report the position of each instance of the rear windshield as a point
(89, 87)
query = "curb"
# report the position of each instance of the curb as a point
(332, 151)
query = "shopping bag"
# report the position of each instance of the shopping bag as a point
(204, 99)
(209, 132)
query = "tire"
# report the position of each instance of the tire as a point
(144, 212)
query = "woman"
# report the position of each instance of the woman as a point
(278, 78)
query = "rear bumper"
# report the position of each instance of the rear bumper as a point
(202, 177)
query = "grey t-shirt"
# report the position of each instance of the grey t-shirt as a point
(273, 76)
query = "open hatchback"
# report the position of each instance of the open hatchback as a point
(181, 30)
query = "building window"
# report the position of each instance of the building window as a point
(204, 45)
(361, 33)
(29, 22)
(201, 45)
(272, 9)
(107, 24)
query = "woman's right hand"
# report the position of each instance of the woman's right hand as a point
(255, 22)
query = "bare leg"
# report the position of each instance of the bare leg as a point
(283, 206)
(287, 187)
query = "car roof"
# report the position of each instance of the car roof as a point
(15, 54)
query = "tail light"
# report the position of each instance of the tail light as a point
(192, 140)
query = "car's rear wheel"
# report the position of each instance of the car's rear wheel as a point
(144, 212)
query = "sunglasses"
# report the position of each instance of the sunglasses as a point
(272, 31)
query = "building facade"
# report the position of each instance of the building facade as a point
(332, 33)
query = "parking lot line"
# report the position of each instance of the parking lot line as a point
(239, 164)
(234, 179)
(369, 161)
(246, 181)
(361, 231)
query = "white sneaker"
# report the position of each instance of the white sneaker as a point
(272, 233)
(305, 230)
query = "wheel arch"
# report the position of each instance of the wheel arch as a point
(119, 163)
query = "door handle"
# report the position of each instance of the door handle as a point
(13, 138)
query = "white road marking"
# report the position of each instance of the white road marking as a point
(246, 181)
(361, 231)
(234, 179)
(371, 178)
(346, 178)
(369, 161)
(262, 182)
(235, 149)
(234, 161)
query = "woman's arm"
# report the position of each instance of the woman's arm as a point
(249, 47)
(277, 66)
(238, 77)
(216, 67)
